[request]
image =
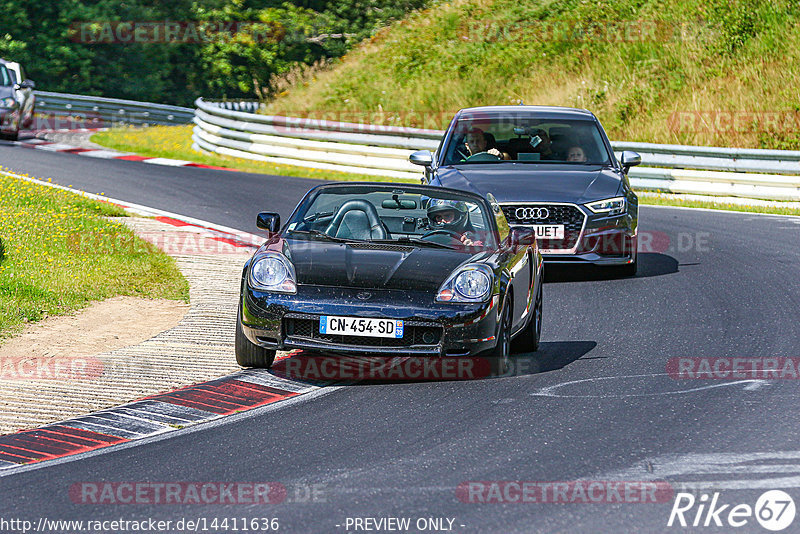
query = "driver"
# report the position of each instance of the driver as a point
(452, 216)
(476, 143)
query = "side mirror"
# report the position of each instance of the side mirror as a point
(522, 237)
(630, 159)
(269, 221)
(421, 157)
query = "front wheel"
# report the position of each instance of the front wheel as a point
(249, 354)
(13, 136)
(501, 355)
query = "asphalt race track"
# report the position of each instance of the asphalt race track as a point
(596, 403)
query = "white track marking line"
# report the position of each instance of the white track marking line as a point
(549, 391)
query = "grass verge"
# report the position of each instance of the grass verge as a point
(696, 72)
(176, 142)
(61, 251)
(710, 204)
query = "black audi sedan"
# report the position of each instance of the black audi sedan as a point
(391, 269)
(553, 170)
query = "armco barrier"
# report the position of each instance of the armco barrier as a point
(383, 151)
(98, 111)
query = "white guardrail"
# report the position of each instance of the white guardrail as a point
(384, 150)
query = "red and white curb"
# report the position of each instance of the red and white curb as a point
(152, 415)
(50, 146)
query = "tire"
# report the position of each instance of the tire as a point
(10, 136)
(501, 355)
(528, 339)
(248, 354)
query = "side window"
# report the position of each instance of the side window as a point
(502, 224)
(4, 77)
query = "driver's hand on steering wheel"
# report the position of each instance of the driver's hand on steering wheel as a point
(465, 239)
(494, 152)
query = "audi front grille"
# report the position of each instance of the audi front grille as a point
(569, 215)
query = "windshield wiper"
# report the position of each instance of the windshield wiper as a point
(325, 236)
(414, 241)
(318, 215)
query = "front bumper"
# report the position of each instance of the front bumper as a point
(602, 241)
(284, 322)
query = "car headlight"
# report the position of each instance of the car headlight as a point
(610, 206)
(471, 283)
(7, 102)
(274, 272)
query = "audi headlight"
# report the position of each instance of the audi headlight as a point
(274, 272)
(7, 102)
(471, 283)
(610, 206)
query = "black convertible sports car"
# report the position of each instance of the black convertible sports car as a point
(391, 269)
(551, 169)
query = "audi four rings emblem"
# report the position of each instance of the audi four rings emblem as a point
(532, 213)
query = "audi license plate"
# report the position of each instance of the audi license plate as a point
(549, 231)
(360, 326)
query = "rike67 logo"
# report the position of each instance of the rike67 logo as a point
(774, 510)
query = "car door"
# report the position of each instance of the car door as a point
(517, 265)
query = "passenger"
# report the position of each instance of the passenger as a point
(453, 217)
(544, 147)
(576, 154)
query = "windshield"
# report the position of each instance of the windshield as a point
(5, 76)
(493, 138)
(394, 216)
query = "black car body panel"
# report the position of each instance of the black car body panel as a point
(556, 191)
(352, 265)
(551, 183)
(388, 280)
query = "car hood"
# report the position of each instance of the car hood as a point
(530, 182)
(340, 264)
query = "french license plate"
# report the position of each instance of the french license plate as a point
(549, 231)
(360, 326)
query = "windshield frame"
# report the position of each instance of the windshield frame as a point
(301, 212)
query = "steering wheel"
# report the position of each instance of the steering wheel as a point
(451, 233)
(483, 156)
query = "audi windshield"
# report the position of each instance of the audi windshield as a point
(493, 138)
